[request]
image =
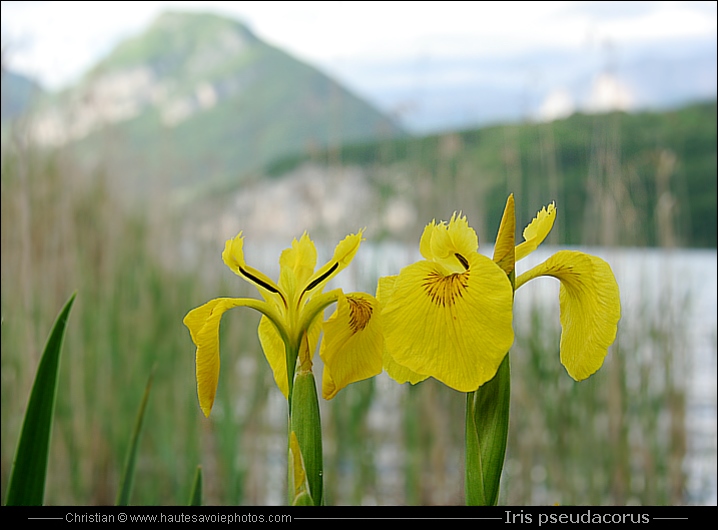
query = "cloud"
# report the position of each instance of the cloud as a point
(57, 41)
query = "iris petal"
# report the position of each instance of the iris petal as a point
(353, 343)
(449, 244)
(343, 255)
(297, 264)
(233, 257)
(203, 324)
(504, 250)
(273, 348)
(426, 237)
(590, 308)
(536, 231)
(455, 327)
(398, 373)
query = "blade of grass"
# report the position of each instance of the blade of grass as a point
(195, 496)
(29, 469)
(128, 474)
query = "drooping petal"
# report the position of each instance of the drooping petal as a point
(233, 257)
(536, 231)
(590, 308)
(297, 264)
(455, 327)
(353, 343)
(449, 244)
(343, 255)
(400, 374)
(504, 250)
(273, 348)
(203, 325)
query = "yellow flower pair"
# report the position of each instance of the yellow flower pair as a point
(448, 316)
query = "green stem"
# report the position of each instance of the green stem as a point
(487, 426)
(305, 422)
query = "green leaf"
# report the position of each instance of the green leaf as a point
(27, 480)
(487, 427)
(128, 474)
(305, 422)
(195, 496)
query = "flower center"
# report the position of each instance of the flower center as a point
(443, 290)
(359, 313)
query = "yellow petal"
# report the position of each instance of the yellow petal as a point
(504, 251)
(299, 495)
(343, 255)
(385, 288)
(455, 327)
(353, 343)
(274, 350)
(233, 257)
(449, 244)
(536, 231)
(427, 236)
(233, 254)
(203, 325)
(400, 374)
(590, 308)
(297, 264)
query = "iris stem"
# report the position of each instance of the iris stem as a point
(305, 422)
(487, 426)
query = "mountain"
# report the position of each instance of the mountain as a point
(199, 101)
(19, 92)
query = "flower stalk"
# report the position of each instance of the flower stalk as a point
(305, 423)
(487, 429)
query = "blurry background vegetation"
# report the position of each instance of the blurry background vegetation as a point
(125, 186)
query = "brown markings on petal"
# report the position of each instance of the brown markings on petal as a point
(462, 260)
(359, 313)
(444, 290)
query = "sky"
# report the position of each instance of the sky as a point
(55, 42)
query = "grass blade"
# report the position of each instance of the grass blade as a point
(195, 496)
(27, 480)
(128, 474)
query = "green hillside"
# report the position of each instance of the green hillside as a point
(627, 179)
(198, 100)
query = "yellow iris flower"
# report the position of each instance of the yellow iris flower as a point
(449, 316)
(291, 323)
